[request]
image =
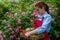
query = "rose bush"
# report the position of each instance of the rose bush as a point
(16, 16)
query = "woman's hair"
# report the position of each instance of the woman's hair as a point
(42, 4)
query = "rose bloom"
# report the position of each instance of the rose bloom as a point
(4, 20)
(1, 37)
(23, 14)
(10, 29)
(0, 32)
(17, 31)
(11, 37)
(8, 25)
(48, 4)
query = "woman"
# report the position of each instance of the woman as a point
(43, 21)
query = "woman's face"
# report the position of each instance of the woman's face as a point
(40, 10)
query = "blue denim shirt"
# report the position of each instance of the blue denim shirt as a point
(46, 23)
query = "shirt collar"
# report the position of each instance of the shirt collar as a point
(45, 14)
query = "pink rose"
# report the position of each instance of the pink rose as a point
(12, 32)
(35, 3)
(11, 37)
(50, 10)
(10, 29)
(48, 4)
(34, 13)
(8, 25)
(0, 32)
(19, 27)
(1, 37)
(23, 14)
(17, 31)
(4, 20)
(19, 20)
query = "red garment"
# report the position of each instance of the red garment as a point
(39, 24)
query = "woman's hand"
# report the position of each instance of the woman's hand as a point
(27, 34)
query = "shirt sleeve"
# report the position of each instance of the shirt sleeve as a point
(44, 25)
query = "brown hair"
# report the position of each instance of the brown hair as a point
(42, 4)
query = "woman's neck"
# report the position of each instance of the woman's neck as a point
(41, 14)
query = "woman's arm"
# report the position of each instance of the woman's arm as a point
(44, 26)
(40, 29)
